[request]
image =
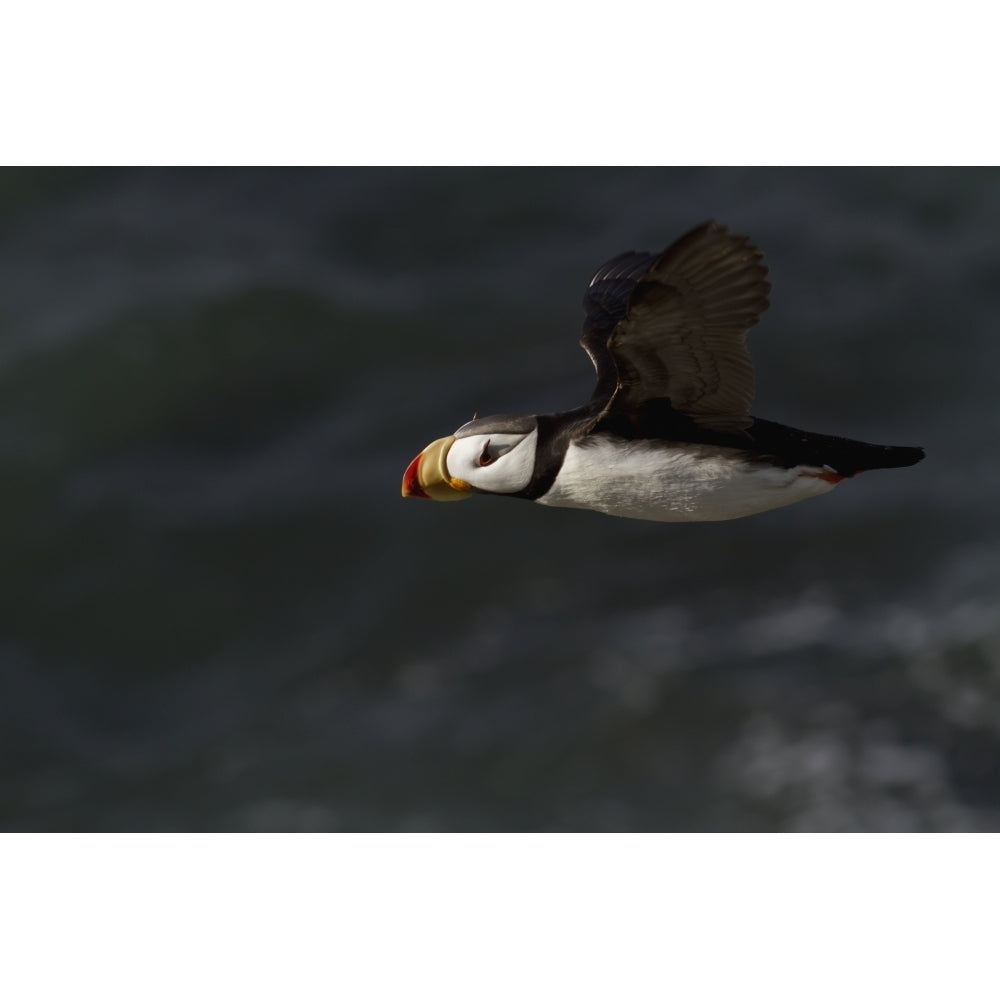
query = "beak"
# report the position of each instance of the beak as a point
(427, 475)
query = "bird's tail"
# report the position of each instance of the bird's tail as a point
(845, 456)
(861, 457)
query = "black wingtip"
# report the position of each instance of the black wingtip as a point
(912, 455)
(894, 457)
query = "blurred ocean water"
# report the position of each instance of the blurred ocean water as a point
(218, 613)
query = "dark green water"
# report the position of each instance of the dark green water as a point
(217, 612)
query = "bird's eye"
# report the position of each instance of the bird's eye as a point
(485, 458)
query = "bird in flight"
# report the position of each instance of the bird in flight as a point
(667, 434)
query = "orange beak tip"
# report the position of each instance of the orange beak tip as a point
(411, 484)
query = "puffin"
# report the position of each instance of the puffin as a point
(667, 434)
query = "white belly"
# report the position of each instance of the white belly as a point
(657, 482)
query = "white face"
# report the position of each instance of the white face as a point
(497, 463)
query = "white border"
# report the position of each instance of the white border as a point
(499, 916)
(519, 83)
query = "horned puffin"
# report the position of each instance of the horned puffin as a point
(667, 434)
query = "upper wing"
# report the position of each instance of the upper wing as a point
(673, 327)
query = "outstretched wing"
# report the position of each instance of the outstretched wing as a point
(673, 327)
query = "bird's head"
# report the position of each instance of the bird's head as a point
(488, 455)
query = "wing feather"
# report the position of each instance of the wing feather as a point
(673, 327)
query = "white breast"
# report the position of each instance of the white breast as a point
(660, 482)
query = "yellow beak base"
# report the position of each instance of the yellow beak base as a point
(427, 475)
